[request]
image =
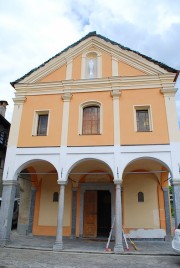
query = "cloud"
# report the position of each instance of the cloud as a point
(34, 31)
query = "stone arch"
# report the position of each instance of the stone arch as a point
(148, 160)
(29, 164)
(83, 160)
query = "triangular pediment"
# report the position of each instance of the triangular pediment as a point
(130, 63)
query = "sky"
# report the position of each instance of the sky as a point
(32, 31)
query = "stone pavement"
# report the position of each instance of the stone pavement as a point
(46, 243)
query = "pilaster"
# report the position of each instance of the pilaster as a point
(172, 118)
(116, 115)
(115, 67)
(69, 70)
(65, 119)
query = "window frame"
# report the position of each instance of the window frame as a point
(37, 113)
(86, 105)
(143, 108)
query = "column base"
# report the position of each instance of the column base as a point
(73, 237)
(3, 242)
(118, 249)
(58, 246)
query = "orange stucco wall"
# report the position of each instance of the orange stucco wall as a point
(106, 138)
(106, 65)
(127, 70)
(152, 97)
(45, 211)
(76, 67)
(54, 104)
(58, 75)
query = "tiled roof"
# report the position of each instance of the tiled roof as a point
(162, 65)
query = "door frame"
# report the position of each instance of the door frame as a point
(94, 187)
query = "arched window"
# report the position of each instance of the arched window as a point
(140, 197)
(91, 65)
(55, 197)
(91, 120)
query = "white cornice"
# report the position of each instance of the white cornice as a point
(169, 91)
(86, 85)
(95, 85)
(19, 100)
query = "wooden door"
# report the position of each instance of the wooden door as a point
(90, 214)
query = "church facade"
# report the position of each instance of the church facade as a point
(94, 140)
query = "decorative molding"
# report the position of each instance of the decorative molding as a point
(90, 85)
(19, 100)
(116, 94)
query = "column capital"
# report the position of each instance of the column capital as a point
(175, 182)
(118, 182)
(169, 91)
(115, 93)
(68, 60)
(9, 182)
(165, 189)
(74, 189)
(66, 96)
(19, 100)
(62, 183)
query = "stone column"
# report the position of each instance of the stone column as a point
(25, 203)
(74, 205)
(58, 246)
(176, 200)
(167, 210)
(118, 220)
(6, 211)
(81, 222)
(31, 212)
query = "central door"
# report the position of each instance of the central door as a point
(97, 213)
(90, 214)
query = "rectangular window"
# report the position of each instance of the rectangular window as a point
(143, 119)
(42, 125)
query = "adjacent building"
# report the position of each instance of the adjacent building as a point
(4, 133)
(94, 139)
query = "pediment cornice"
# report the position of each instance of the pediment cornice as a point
(126, 56)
